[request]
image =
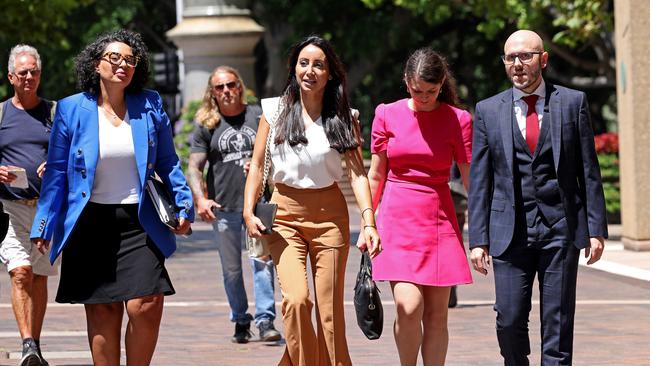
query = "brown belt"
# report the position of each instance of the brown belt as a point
(31, 203)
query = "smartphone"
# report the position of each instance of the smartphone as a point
(21, 177)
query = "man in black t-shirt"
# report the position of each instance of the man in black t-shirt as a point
(25, 123)
(224, 138)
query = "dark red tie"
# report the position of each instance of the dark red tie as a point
(532, 122)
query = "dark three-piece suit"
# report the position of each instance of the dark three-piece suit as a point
(535, 211)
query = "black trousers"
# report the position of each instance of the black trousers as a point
(514, 272)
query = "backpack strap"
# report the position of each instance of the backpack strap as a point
(51, 106)
(2, 110)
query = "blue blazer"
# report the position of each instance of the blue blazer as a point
(72, 159)
(491, 195)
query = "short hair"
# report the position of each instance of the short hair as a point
(22, 49)
(208, 114)
(86, 61)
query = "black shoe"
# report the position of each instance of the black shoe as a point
(30, 354)
(453, 298)
(38, 347)
(242, 333)
(268, 333)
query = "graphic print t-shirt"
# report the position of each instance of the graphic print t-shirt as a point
(229, 146)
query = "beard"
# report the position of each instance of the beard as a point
(523, 80)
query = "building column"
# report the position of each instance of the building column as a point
(213, 33)
(632, 92)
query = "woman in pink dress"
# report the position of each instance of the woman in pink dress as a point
(414, 141)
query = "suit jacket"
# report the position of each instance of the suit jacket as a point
(492, 197)
(72, 159)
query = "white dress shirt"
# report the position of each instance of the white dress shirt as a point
(521, 108)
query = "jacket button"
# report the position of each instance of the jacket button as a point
(83, 194)
(150, 166)
(83, 176)
(79, 152)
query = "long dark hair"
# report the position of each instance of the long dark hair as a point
(337, 118)
(428, 65)
(86, 61)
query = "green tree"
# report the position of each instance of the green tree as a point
(578, 34)
(59, 29)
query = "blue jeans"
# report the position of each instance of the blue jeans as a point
(229, 234)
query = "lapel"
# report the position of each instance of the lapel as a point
(504, 116)
(555, 122)
(89, 134)
(139, 119)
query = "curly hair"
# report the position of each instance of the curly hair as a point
(340, 128)
(428, 65)
(86, 61)
(208, 114)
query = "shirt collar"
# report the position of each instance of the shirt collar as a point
(540, 91)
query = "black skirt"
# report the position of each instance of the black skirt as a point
(109, 258)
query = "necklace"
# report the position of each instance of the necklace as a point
(110, 113)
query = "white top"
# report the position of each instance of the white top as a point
(116, 175)
(521, 108)
(315, 165)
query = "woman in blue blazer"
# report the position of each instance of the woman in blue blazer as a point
(105, 143)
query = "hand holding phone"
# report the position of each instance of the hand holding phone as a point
(21, 177)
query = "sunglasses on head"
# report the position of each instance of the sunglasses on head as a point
(115, 58)
(230, 85)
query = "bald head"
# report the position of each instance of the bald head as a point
(524, 59)
(524, 39)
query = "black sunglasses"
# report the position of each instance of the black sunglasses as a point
(230, 85)
(21, 74)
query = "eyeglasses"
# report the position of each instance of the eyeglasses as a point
(23, 74)
(524, 57)
(230, 85)
(115, 58)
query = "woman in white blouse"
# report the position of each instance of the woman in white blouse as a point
(312, 127)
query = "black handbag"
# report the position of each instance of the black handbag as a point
(367, 304)
(266, 213)
(162, 201)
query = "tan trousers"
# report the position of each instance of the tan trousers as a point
(314, 223)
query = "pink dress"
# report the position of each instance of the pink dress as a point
(416, 220)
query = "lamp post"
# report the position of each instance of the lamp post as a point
(213, 33)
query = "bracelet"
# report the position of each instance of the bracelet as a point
(372, 226)
(366, 209)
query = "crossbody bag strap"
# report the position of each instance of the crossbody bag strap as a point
(267, 148)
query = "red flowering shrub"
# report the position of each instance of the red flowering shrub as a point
(606, 143)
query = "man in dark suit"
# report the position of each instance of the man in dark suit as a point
(535, 201)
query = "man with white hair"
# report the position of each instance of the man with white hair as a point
(25, 120)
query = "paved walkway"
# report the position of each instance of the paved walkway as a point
(612, 320)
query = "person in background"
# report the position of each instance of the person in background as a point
(26, 122)
(224, 138)
(414, 142)
(459, 196)
(535, 201)
(106, 142)
(311, 129)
